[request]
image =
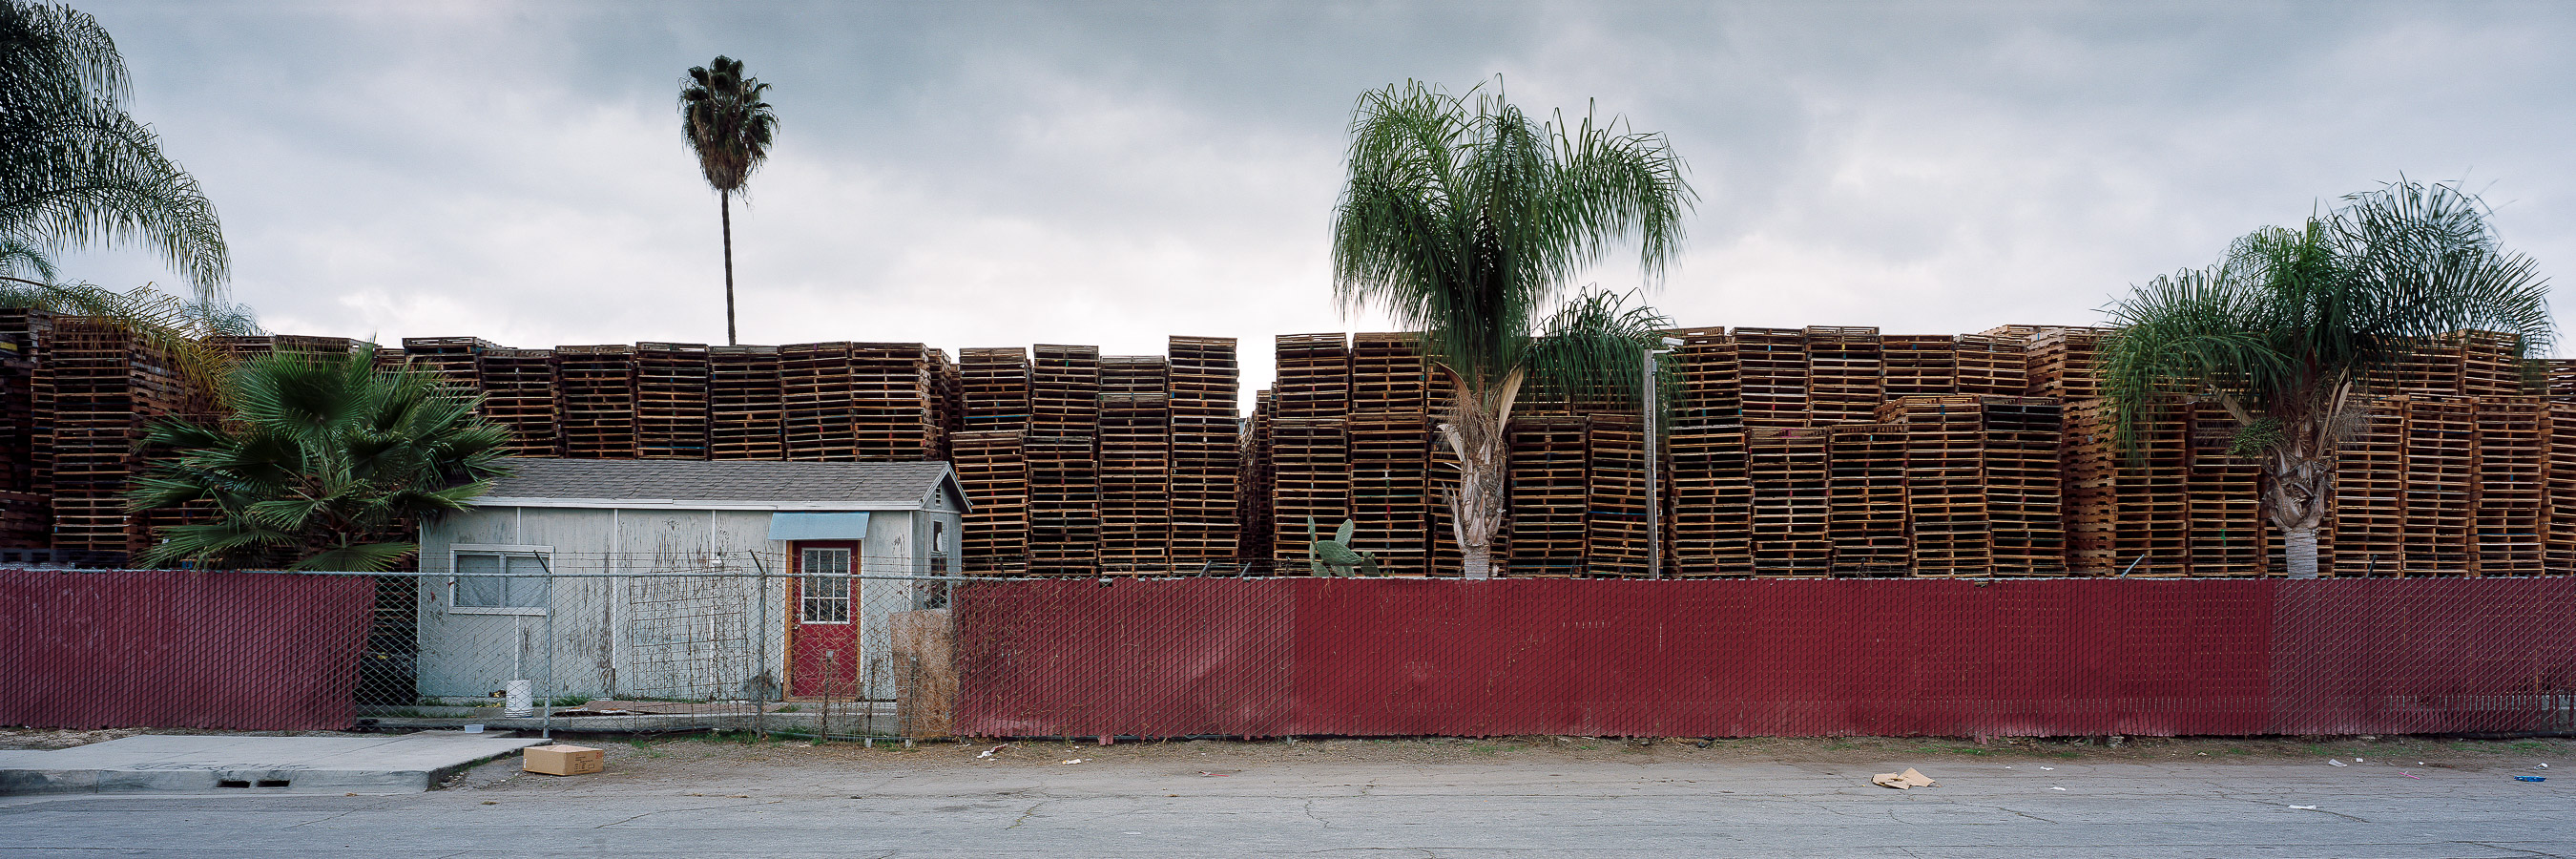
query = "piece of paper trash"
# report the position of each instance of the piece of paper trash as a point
(1074, 761)
(989, 752)
(2408, 774)
(1907, 780)
(2048, 768)
(2056, 788)
(2356, 759)
(2542, 766)
(1218, 775)
(2303, 808)
(2337, 762)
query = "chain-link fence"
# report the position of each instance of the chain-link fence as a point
(800, 646)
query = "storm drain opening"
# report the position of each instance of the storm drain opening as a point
(272, 782)
(232, 782)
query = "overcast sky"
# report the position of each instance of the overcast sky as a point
(986, 174)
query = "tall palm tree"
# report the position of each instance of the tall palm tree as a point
(2285, 330)
(322, 461)
(1466, 220)
(729, 127)
(75, 169)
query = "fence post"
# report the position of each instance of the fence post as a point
(760, 644)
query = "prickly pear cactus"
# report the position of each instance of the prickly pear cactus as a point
(1335, 557)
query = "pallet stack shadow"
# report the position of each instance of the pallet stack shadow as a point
(1078, 463)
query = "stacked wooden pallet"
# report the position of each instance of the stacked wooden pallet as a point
(1920, 365)
(1945, 485)
(243, 347)
(2424, 367)
(1064, 504)
(1257, 515)
(1134, 374)
(897, 397)
(1792, 500)
(2066, 362)
(1390, 489)
(1865, 465)
(1135, 479)
(2558, 377)
(2490, 364)
(1993, 364)
(816, 388)
(1846, 369)
(595, 389)
(996, 388)
(95, 392)
(2511, 486)
(26, 502)
(1771, 376)
(2559, 517)
(519, 394)
(993, 469)
(671, 381)
(2125, 511)
(2024, 495)
(1207, 450)
(1710, 499)
(1314, 373)
(1064, 390)
(2441, 452)
(1311, 495)
(746, 405)
(1550, 469)
(1389, 375)
(1616, 539)
(2221, 498)
(2370, 493)
(450, 357)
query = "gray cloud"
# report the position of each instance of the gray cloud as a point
(1001, 174)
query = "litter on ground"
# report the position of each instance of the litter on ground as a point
(1907, 780)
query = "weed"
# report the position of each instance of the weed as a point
(791, 708)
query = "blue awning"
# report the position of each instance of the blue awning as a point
(818, 526)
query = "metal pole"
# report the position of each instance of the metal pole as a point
(1654, 467)
(760, 642)
(547, 706)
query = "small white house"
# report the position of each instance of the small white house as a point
(683, 579)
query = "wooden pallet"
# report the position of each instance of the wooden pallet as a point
(1135, 471)
(1792, 500)
(519, 394)
(1771, 376)
(2370, 493)
(1993, 364)
(1310, 480)
(1865, 478)
(2224, 504)
(2066, 362)
(1550, 466)
(671, 381)
(1950, 520)
(2508, 501)
(2440, 460)
(1135, 374)
(1391, 500)
(1389, 374)
(1064, 390)
(746, 405)
(996, 388)
(1064, 504)
(1710, 500)
(595, 396)
(1314, 376)
(1710, 379)
(1920, 365)
(2559, 520)
(1617, 539)
(993, 470)
(2024, 496)
(1846, 374)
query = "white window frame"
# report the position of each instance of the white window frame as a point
(805, 583)
(544, 554)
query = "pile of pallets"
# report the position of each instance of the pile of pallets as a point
(2490, 364)
(1919, 365)
(817, 387)
(96, 390)
(1310, 470)
(519, 394)
(2511, 486)
(1616, 539)
(671, 384)
(2126, 511)
(1256, 515)
(595, 389)
(2440, 445)
(746, 405)
(1064, 504)
(1995, 362)
(1772, 376)
(2558, 520)
(1865, 477)
(26, 502)
(1064, 390)
(993, 470)
(996, 388)
(1390, 464)
(2370, 493)
(1207, 450)
(1135, 476)
(2066, 362)
(1792, 500)
(1551, 470)
(1945, 483)
(1314, 376)
(2228, 535)
(1846, 369)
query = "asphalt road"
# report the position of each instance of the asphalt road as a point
(1553, 808)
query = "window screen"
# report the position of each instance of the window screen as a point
(480, 582)
(826, 586)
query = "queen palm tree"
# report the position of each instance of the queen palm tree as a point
(75, 169)
(322, 462)
(1466, 220)
(2285, 330)
(729, 128)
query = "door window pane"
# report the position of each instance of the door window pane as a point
(826, 586)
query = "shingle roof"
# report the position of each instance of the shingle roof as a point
(697, 484)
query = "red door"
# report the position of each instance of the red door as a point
(823, 656)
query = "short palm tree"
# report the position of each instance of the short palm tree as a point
(75, 169)
(1466, 220)
(2284, 332)
(320, 467)
(729, 128)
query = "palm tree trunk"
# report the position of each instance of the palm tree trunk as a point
(724, 204)
(1476, 432)
(2300, 547)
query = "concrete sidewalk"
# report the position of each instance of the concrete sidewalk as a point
(406, 763)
